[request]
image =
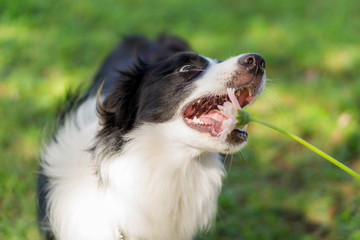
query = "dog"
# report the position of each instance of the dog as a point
(139, 155)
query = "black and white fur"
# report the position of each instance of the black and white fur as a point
(125, 165)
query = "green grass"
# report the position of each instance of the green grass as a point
(276, 189)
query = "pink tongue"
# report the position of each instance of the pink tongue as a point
(215, 119)
(215, 115)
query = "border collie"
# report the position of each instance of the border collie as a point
(138, 156)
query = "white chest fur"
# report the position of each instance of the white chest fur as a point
(156, 188)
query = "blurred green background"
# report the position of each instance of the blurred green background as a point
(276, 189)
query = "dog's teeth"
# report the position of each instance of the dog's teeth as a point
(198, 101)
(238, 92)
(245, 127)
(250, 92)
(197, 121)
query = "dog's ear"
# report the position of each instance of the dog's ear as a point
(118, 111)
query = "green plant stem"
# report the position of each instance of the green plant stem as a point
(308, 145)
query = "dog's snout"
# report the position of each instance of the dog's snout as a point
(253, 63)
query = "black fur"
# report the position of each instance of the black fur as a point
(42, 190)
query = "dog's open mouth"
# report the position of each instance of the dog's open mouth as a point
(203, 114)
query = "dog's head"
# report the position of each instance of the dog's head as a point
(180, 97)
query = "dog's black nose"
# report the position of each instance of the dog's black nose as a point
(253, 63)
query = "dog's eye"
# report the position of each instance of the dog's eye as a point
(186, 68)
